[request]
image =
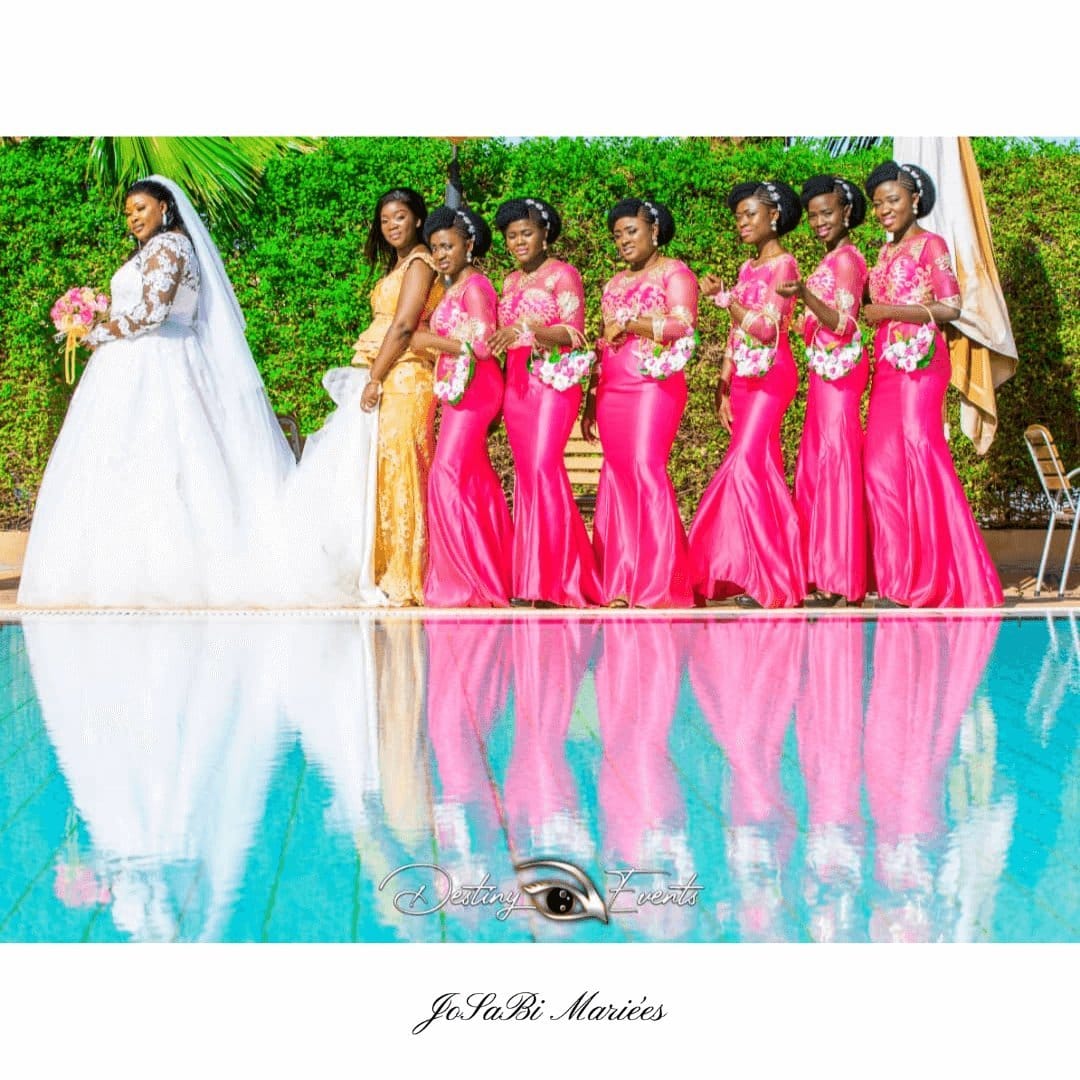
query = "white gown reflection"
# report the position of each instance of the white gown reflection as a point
(166, 731)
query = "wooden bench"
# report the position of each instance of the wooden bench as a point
(583, 461)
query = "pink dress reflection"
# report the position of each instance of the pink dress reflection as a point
(745, 675)
(642, 806)
(552, 556)
(637, 689)
(745, 535)
(638, 535)
(925, 676)
(468, 679)
(927, 549)
(829, 470)
(470, 534)
(543, 803)
(829, 731)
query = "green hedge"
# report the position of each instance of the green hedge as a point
(298, 270)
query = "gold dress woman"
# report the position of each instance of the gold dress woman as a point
(401, 385)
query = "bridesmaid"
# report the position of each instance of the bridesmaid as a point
(927, 550)
(828, 473)
(541, 319)
(744, 540)
(400, 385)
(468, 520)
(649, 311)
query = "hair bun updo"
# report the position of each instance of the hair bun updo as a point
(911, 177)
(849, 193)
(467, 222)
(775, 193)
(656, 213)
(538, 211)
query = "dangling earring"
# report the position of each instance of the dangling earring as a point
(545, 245)
(847, 221)
(164, 218)
(774, 224)
(468, 255)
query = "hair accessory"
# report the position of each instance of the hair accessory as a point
(845, 187)
(914, 176)
(653, 212)
(470, 227)
(774, 192)
(540, 210)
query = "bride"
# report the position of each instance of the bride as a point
(171, 484)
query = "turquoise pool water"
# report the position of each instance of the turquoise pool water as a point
(246, 778)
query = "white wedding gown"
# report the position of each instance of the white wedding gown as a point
(171, 484)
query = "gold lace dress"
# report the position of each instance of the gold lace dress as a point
(406, 443)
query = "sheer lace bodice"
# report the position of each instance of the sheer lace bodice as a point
(161, 283)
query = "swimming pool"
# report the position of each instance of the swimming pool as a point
(387, 777)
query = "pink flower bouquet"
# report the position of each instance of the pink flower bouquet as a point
(910, 353)
(660, 363)
(74, 315)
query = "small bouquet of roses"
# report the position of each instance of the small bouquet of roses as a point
(832, 362)
(562, 370)
(752, 359)
(74, 315)
(910, 353)
(661, 362)
(452, 386)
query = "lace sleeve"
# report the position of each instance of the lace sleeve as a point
(943, 283)
(570, 299)
(162, 266)
(479, 301)
(681, 296)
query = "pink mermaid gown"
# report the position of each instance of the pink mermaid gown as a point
(927, 550)
(745, 535)
(829, 471)
(469, 530)
(552, 557)
(638, 535)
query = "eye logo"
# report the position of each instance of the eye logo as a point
(562, 900)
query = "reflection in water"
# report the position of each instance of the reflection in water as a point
(829, 729)
(746, 676)
(165, 732)
(834, 778)
(925, 674)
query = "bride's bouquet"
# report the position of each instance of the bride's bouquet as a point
(74, 315)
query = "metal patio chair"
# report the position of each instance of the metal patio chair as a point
(1061, 493)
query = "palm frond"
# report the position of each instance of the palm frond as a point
(839, 145)
(220, 174)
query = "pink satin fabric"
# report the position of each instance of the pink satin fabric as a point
(829, 470)
(469, 529)
(638, 535)
(927, 549)
(552, 557)
(745, 535)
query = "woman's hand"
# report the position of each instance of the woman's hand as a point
(614, 333)
(503, 339)
(875, 313)
(588, 419)
(371, 394)
(723, 403)
(791, 288)
(710, 284)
